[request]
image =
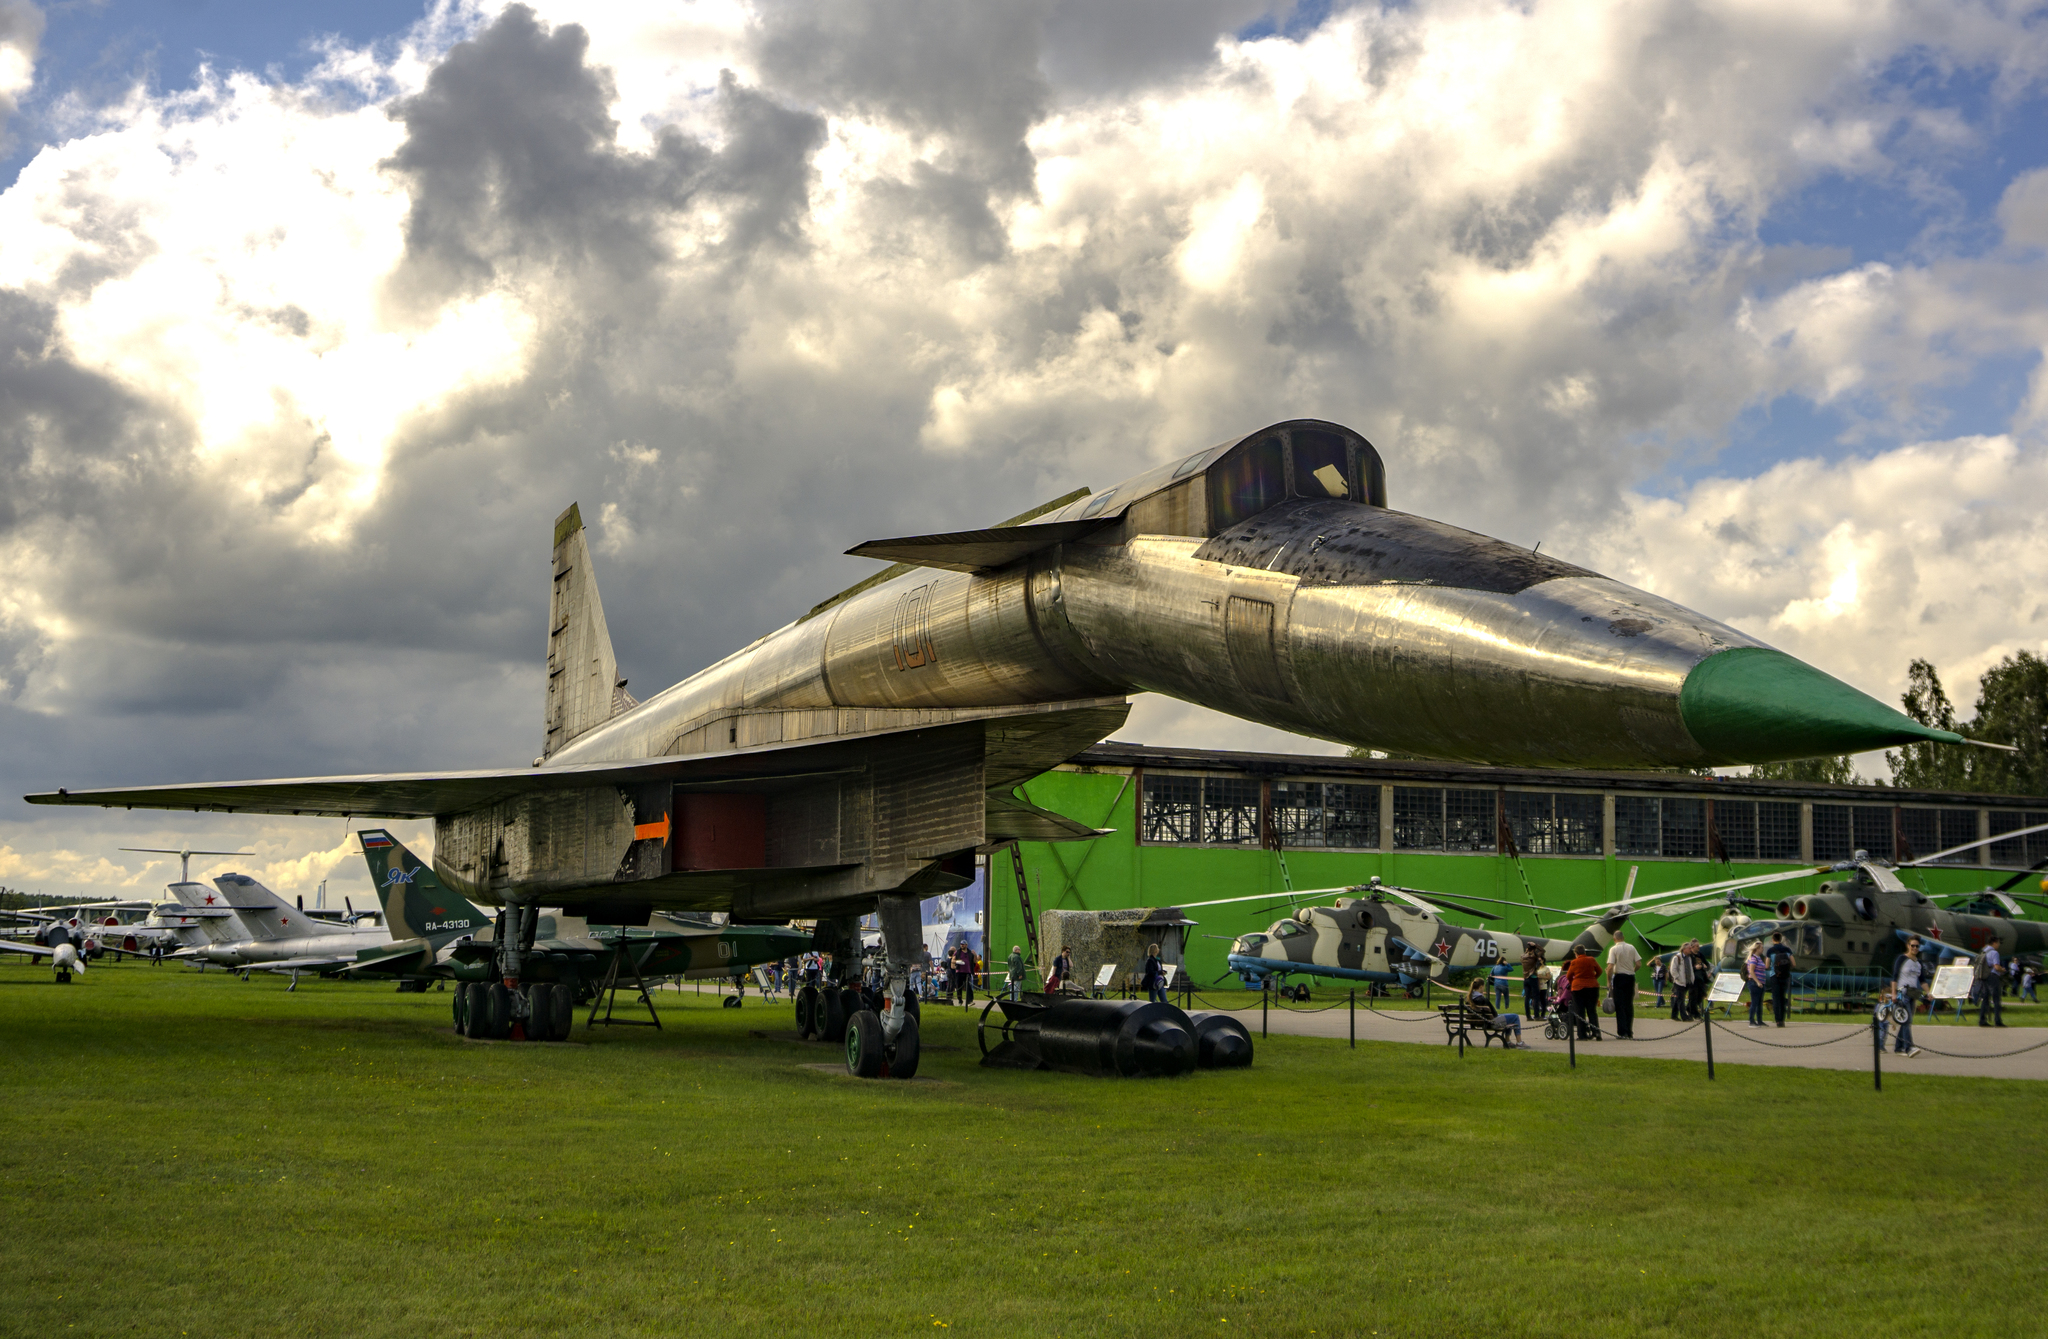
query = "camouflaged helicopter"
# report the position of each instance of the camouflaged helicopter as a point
(1387, 935)
(1849, 934)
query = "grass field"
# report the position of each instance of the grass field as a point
(196, 1155)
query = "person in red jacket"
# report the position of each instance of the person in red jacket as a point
(1583, 973)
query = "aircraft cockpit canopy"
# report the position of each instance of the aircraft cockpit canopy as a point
(1212, 490)
(1288, 929)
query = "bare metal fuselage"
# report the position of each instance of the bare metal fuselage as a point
(1431, 670)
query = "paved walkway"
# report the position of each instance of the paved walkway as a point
(1811, 1045)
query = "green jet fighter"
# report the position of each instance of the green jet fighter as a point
(437, 933)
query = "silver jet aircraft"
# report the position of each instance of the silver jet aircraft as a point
(858, 757)
(279, 936)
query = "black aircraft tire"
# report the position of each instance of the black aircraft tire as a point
(540, 1012)
(498, 1017)
(831, 1017)
(916, 1008)
(729, 1002)
(807, 1012)
(864, 1045)
(565, 1012)
(460, 1006)
(903, 1060)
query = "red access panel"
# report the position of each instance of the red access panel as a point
(721, 831)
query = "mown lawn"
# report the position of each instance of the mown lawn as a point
(197, 1155)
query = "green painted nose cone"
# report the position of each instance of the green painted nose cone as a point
(1753, 704)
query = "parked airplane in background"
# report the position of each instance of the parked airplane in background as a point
(59, 941)
(275, 935)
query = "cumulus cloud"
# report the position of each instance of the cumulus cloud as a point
(21, 32)
(293, 376)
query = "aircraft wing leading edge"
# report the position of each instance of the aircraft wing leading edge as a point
(430, 794)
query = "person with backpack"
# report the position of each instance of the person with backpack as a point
(1535, 989)
(1780, 959)
(1990, 974)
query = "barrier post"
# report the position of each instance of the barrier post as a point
(1571, 1037)
(1876, 1055)
(1354, 1019)
(1265, 995)
(1707, 1023)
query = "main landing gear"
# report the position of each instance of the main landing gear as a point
(485, 1010)
(509, 1008)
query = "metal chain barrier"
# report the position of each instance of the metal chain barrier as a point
(1787, 1045)
(1995, 1055)
(1667, 1036)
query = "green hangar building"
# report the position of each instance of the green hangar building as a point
(1192, 826)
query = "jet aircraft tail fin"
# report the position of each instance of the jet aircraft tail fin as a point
(584, 688)
(268, 915)
(416, 905)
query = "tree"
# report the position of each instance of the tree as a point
(2012, 708)
(1833, 771)
(1932, 766)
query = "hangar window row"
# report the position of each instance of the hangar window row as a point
(1223, 810)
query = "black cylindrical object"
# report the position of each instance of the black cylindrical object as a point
(1221, 1042)
(1132, 1038)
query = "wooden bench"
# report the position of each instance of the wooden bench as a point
(1460, 1024)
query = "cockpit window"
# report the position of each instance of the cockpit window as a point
(1246, 482)
(1288, 930)
(1095, 508)
(1188, 466)
(1322, 465)
(1251, 941)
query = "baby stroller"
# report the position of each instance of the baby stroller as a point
(1557, 1015)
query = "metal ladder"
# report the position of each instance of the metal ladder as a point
(1024, 900)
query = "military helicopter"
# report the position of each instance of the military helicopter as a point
(1850, 933)
(1377, 932)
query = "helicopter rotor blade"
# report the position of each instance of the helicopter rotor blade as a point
(1657, 901)
(1467, 911)
(2021, 877)
(1971, 846)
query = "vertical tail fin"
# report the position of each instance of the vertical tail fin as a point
(269, 915)
(584, 688)
(218, 922)
(416, 905)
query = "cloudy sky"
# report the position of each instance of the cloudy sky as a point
(312, 317)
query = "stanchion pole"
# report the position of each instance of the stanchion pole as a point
(1876, 1055)
(1265, 996)
(1707, 1022)
(1354, 1019)
(1571, 1036)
